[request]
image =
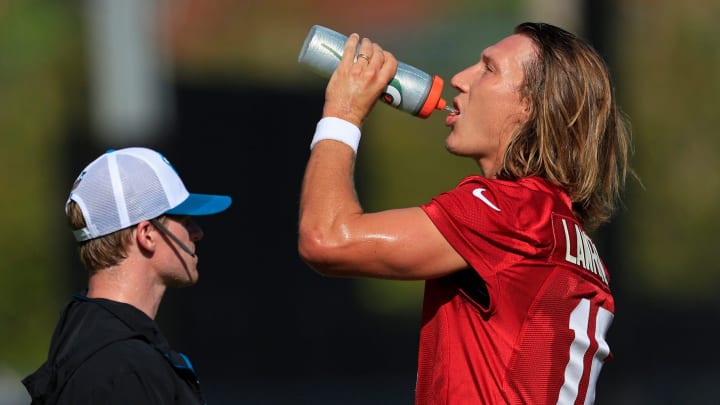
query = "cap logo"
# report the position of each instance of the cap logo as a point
(77, 181)
(167, 162)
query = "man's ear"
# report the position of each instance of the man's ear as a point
(523, 112)
(146, 236)
(526, 106)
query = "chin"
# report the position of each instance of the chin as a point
(450, 146)
(188, 279)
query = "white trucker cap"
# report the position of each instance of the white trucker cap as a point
(125, 186)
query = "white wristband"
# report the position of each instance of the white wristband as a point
(338, 130)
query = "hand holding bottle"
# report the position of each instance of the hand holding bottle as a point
(410, 90)
(358, 81)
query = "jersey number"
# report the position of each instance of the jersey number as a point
(579, 322)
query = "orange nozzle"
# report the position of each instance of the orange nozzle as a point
(433, 101)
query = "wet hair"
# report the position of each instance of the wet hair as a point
(575, 137)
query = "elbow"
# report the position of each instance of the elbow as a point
(316, 250)
(308, 249)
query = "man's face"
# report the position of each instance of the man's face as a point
(180, 268)
(489, 102)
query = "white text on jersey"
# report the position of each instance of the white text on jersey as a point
(586, 255)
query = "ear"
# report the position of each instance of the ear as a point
(524, 110)
(146, 236)
(526, 106)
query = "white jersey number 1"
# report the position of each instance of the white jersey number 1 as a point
(579, 322)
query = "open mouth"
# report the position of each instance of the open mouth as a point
(455, 108)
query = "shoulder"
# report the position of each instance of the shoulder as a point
(132, 368)
(488, 218)
(503, 200)
(134, 355)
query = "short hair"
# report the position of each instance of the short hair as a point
(575, 137)
(102, 252)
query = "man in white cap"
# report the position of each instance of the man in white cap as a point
(133, 219)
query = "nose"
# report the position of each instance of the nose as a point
(194, 230)
(459, 81)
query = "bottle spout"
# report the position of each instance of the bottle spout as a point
(444, 106)
(434, 101)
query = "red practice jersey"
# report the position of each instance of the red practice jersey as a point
(526, 324)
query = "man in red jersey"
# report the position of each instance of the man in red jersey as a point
(517, 301)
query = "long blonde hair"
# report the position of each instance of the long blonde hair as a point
(576, 137)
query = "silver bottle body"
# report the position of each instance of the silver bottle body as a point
(323, 49)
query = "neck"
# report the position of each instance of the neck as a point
(129, 285)
(490, 168)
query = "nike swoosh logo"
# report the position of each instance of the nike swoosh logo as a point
(478, 192)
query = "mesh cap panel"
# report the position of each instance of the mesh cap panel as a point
(144, 194)
(124, 187)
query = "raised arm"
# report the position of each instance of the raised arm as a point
(335, 236)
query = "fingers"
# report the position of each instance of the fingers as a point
(362, 51)
(389, 64)
(382, 63)
(351, 45)
(363, 55)
(364, 72)
(365, 51)
(365, 48)
(371, 55)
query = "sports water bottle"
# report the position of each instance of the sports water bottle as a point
(411, 90)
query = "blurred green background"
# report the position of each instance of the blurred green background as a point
(665, 57)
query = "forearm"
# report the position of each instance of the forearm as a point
(328, 201)
(333, 238)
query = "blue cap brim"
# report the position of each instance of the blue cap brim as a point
(202, 204)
